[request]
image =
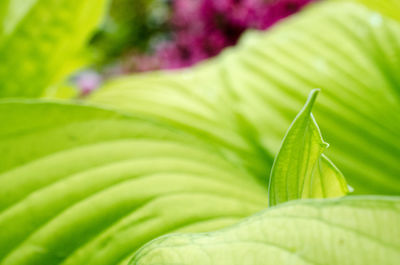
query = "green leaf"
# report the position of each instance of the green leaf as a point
(40, 41)
(247, 97)
(389, 8)
(348, 231)
(176, 100)
(85, 185)
(300, 169)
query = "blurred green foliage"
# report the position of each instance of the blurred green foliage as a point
(131, 27)
(41, 42)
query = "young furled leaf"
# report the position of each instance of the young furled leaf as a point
(358, 230)
(300, 169)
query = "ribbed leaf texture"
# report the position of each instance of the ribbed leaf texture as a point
(350, 231)
(246, 98)
(82, 185)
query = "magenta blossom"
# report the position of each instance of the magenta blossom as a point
(203, 28)
(88, 81)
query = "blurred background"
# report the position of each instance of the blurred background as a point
(146, 35)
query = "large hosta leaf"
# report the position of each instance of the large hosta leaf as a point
(84, 185)
(349, 231)
(300, 169)
(40, 41)
(178, 100)
(246, 98)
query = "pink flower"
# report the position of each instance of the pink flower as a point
(88, 81)
(203, 28)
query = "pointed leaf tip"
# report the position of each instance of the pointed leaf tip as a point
(311, 100)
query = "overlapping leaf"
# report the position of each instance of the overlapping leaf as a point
(253, 92)
(350, 231)
(40, 41)
(83, 185)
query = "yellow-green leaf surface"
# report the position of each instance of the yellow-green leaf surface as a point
(247, 97)
(349, 231)
(388, 7)
(39, 40)
(175, 98)
(84, 185)
(300, 169)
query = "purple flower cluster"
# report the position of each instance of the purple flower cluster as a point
(202, 28)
